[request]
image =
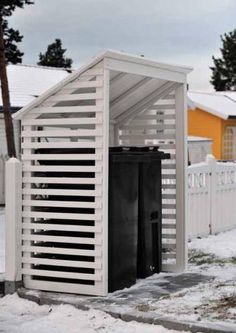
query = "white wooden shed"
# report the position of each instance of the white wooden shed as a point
(117, 99)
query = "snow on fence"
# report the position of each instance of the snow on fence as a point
(211, 197)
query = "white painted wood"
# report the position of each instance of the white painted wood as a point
(58, 250)
(70, 216)
(82, 144)
(66, 275)
(107, 117)
(74, 97)
(65, 109)
(75, 228)
(63, 263)
(61, 121)
(13, 220)
(58, 157)
(139, 69)
(85, 84)
(64, 287)
(62, 133)
(88, 193)
(89, 128)
(37, 223)
(211, 196)
(181, 176)
(65, 168)
(61, 239)
(62, 180)
(69, 204)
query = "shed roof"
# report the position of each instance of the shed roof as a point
(26, 82)
(220, 104)
(120, 62)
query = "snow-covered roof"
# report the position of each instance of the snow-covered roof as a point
(26, 82)
(119, 62)
(220, 104)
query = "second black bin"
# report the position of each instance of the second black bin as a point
(134, 214)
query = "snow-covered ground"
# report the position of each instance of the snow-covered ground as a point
(21, 316)
(213, 301)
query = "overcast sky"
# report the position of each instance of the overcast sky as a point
(174, 31)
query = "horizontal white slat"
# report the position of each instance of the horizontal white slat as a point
(62, 133)
(61, 180)
(62, 168)
(64, 287)
(62, 216)
(61, 121)
(157, 136)
(168, 236)
(67, 204)
(163, 107)
(66, 275)
(146, 127)
(62, 227)
(68, 144)
(35, 191)
(57, 250)
(75, 97)
(155, 117)
(63, 263)
(67, 109)
(61, 239)
(58, 157)
(84, 84)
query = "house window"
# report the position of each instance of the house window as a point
(229, 143)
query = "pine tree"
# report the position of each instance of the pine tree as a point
(11, 37)
(54, 56)
(7, 7)
(224, 69)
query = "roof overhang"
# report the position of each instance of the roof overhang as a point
(120, 63)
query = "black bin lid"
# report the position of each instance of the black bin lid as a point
(137, 154)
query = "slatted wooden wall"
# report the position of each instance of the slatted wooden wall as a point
(157, 126)
(63, 159)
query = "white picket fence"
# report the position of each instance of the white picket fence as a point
(211, 197)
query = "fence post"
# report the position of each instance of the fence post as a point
(211, 161)
(13, 194)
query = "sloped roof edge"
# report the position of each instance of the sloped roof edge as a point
(107, 54)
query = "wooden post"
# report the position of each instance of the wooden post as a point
(13, 225)
(211, 161)
(181, 178)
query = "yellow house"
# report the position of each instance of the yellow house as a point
(213, 115)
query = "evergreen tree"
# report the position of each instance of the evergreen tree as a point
(7, 7)
(224, 69)
(11, 37)
(54, 56)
